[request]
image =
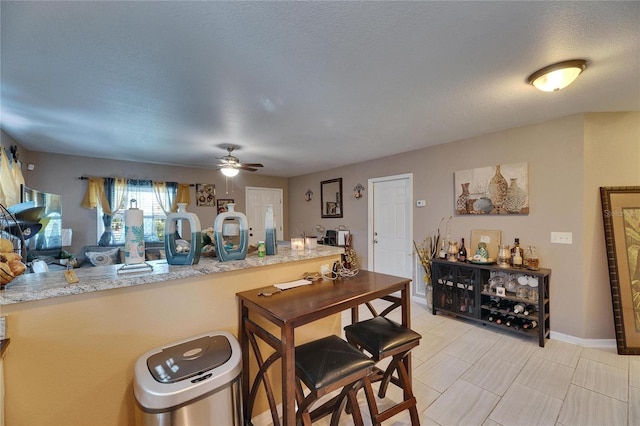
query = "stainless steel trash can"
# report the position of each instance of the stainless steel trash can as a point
(195, 381)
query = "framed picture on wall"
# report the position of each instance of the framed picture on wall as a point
(222, 204)
(621, 216)
(205, 194)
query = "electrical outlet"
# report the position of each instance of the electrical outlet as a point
(421, 203)
(562, 238)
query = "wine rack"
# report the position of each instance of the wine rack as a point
(469, 291)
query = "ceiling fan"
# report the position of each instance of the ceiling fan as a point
(231, 166)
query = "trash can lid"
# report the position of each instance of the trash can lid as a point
(189, 359)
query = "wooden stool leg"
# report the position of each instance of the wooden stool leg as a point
(406, 384)
(371, 402)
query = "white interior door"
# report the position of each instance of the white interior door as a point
(257, 200)
(391, 225)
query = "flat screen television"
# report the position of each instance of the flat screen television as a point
(49, 237)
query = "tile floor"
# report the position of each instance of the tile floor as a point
(466, 374)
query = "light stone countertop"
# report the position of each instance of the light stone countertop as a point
(31, 287)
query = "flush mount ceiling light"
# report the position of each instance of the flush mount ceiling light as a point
(229, 171)
(557, 76)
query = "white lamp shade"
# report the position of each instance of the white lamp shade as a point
(229, 171)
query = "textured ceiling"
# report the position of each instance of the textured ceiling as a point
(299, 86)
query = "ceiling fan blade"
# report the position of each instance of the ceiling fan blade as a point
(252, 164)
(245, 167)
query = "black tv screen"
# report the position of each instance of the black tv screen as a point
(50, 235)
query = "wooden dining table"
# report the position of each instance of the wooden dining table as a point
(296, 307)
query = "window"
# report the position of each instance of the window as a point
(146, 200)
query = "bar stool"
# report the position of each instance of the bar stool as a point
(324, 366)
(384, 338)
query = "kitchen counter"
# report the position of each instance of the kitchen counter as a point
(31, 287)
(73, 346)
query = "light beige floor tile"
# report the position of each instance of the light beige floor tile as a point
(634, 371)
(607, 356)
(546, 376)
(425, 395)
(451, 328)
(471, 346)
(426, 421)
(490, 422)
(524, 406)
(585, 407)
(514, 349)
(602, 378)
(448, 409)
(492, 374)
(440, 371)
(560, 352)
(634, 406)
(430, 344)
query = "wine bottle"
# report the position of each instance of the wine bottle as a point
(510, 320)
(462, 253)
(493, 315)
(502, 318)
(530, 325)
(529, 310)
(518, 308)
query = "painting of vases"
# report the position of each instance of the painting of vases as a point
(496, 189)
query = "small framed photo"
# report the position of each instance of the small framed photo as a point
(500, 291)
(222, 204)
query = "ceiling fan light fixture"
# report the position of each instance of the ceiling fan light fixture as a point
(557, 76)
(229, 171)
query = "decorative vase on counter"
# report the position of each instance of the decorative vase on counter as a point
(498, 189)
(270, 232)
(179, 254)
(225, 251)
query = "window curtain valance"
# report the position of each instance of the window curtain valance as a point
(100, 191)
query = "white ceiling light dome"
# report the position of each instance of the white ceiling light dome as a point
(557, 76)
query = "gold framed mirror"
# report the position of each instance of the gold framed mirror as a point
(331, 198)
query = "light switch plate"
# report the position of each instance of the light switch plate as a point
(562, 238)
(421, 203)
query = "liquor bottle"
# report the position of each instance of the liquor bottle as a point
(516, 247)
(462, 253)
(516, 259)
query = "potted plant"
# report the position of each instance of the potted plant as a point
(426, 251)
(66, 257)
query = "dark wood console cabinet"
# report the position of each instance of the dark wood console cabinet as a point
(465, 290)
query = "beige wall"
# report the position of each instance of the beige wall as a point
(59, 174)
(611, 158)
(565, 169)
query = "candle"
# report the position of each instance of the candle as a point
(297, 244)
(310, 243)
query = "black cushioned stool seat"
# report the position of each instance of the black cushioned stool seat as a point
(325, 365)
(382, 338)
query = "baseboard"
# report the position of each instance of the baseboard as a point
(585, 343)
